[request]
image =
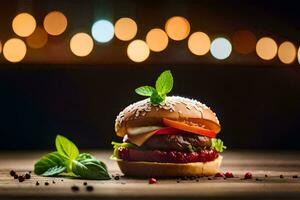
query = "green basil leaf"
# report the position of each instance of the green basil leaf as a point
(145, 90)
(164, 83)
(88, 169)
(50, 165)
(85, 157)
(66, 148)
(156, 99)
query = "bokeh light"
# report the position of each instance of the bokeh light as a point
(266, 48)
(0, 46)
(103, 31)
(138, 50)
(199, 43)
(55, 23)
(157, 39)
(177, 28)
(24, 24)
(298, 55)
(287, 52)
(37, 39)
(125, 29)
(243, 41)
(14, 50)
(220, 48)
(81, 44)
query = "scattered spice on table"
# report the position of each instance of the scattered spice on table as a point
(295, 176)
(209, 178)
(117, 177)
(27, 176)
(266, 175)
(21, 179)
(53, 182)
(16, 176)
(75, 188)
(46, 183)
(152, 181)
(229, 175)
(248, 175)
(12, 173)
(37, 183)
(219, 174)
(281, 176)
(89, 188)
(84, 183)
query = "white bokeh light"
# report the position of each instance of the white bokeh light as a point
(221, 48)
(103, 31)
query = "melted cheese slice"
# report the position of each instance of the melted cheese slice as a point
(141, 138)
(142, 129)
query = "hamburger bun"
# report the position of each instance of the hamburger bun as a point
(143, 113)
(154, 169)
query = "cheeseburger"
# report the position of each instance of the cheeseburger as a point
(165, 136)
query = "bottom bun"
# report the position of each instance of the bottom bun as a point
(155, 169)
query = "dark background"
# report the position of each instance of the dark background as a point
(257, 102)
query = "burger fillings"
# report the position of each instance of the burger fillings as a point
(167, 135)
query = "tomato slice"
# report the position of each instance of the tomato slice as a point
(188, 128)
(167, 131)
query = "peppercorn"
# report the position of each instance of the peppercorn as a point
(281, 176)
(117, 177)
(248, 175)
(16, 176)
(27, 176)
(229, 175)
(295, 176)
(84, 183)
(219, 174)
(21, 179)
(37, 183)
(75, 188)
(89, 188)
(46, 183)
(12, 173)
(152, 181)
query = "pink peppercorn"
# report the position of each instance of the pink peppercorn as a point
(229, 175)
(152, 181)
(219, 174)
(248, 175)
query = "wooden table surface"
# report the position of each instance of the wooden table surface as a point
(259, 163)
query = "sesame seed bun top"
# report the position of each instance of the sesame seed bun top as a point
(143, 113)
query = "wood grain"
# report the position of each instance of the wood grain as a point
(259, 163)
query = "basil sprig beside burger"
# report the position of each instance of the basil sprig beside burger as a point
(167, 135)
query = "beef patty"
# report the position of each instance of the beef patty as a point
(178, 142)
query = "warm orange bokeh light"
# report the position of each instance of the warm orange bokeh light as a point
(287, 52)
(199, 43)
(0, 46)
(157, 39)
(24, 24)
(244, 41)
(138, 51)
(266, 48)
(14, 50)
(298, 55)
(37, 39)
(81, 44)
(55, 23)
(125, 29)
(177, 28)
